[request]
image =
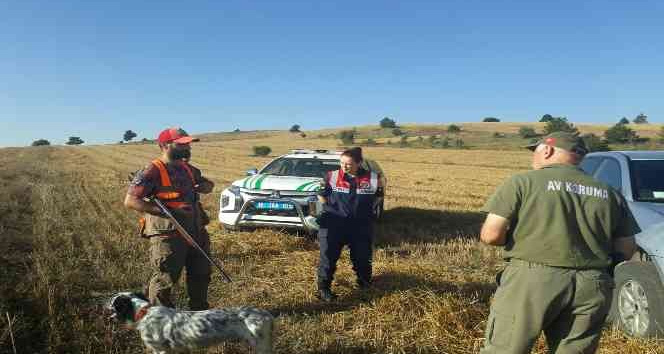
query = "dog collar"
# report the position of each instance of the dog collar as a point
(141, 313)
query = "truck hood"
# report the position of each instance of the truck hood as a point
(282, 183)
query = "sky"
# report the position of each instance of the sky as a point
(94, 69)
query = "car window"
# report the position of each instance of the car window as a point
(609, 173)
(314, 167)
(589, 164)
(647, 181)
(300, 167)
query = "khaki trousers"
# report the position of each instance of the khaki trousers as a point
(168, 256)
(569, 305)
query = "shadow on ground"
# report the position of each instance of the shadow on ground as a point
(385, 284)
(414, 225)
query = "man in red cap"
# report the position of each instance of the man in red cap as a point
(171, 179)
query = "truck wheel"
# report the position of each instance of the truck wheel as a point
(638, 300)
(229, 227)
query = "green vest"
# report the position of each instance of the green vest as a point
(562, 217)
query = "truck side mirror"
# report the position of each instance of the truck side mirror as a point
(252, 171)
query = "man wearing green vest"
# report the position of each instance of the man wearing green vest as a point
(560, 230)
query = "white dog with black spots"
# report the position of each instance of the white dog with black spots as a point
(166, 330)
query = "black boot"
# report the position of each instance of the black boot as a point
(326, 294)
(363, 284)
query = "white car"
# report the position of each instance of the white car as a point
(282, 194)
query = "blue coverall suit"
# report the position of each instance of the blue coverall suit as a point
(347, 219)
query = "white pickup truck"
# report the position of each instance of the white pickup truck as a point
(283, 193)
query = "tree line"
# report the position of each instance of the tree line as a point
(76, 140)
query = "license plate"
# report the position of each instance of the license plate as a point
(274, 206)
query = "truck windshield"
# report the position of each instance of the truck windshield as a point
(647, 181)
(300, 167)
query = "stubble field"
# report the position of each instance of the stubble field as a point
(68, 244)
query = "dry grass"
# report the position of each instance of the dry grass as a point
(72, 244)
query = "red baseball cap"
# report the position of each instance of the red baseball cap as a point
(174, 135)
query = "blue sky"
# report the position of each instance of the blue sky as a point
(95, 69)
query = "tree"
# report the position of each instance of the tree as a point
(527, 132)
(388, 123)
(262, 150)
(595, 143)
(545, 118)
(397, 132)
(74, 140)
(660, 135)
(453, 129)
(641, 119)
(459, 143)
(128, 135)
(404, 141)
(347, 136)
(445, 142)
(371, 142)
(237, 130)
(559, 124)
(294, 129)
(624, 120)
(620, 133)
(41, 142)
(490, 120)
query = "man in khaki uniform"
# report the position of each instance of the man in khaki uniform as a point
(176, 183)
(560, 229)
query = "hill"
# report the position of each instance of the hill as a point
(500, 135)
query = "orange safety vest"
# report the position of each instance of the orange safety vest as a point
(166, 192)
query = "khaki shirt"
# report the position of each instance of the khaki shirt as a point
(562, 217)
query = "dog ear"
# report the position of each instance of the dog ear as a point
(140, 295)
(123, 308)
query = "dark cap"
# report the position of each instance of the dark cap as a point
(175, 135)
(563, 140)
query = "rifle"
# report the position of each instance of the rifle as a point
(190, 239)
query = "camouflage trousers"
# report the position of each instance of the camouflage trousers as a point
(168, 257)
(569, 305)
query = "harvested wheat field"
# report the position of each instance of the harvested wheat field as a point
(68, 243)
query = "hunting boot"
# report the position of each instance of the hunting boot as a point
(363, 284)
(326, 294)
(163, 298)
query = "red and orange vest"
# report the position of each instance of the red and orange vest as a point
(152, 225)
(166, 192)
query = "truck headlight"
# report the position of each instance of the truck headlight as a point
(238, 197)
(232, 194)
(313, 206)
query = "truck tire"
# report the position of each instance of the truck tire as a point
(229, 227)
(638, 300)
